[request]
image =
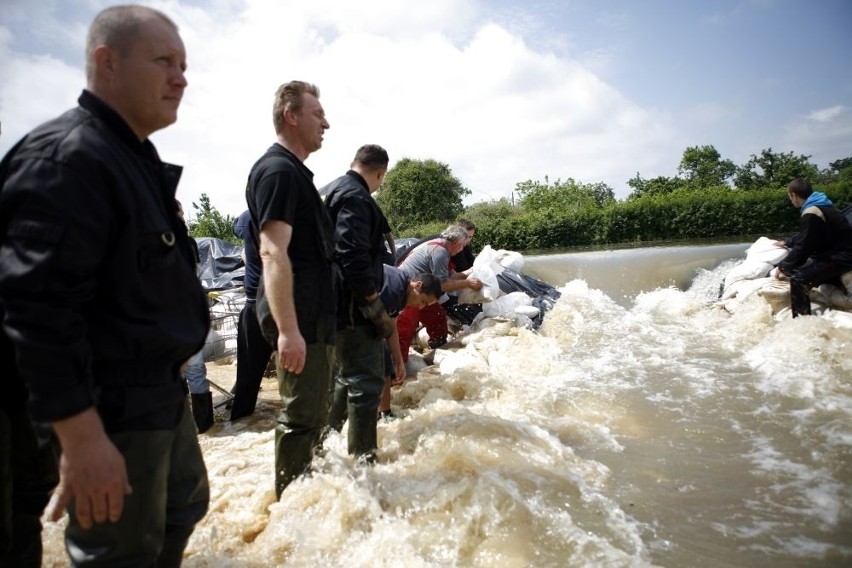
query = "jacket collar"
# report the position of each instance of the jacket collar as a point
(90, 102)
(359, 178)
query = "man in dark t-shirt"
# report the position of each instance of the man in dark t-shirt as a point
(295, 298)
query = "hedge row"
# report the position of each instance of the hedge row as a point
(713, 213)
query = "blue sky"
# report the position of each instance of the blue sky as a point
(501, 91)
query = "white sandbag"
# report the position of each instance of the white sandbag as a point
(776, 293)
(490, 288)
(747, 270)
(511, 260)
(765, 250)
(847, 282)
(486, 267)
(505, 305)
(489, 257)
(832, 296)
(760, 258)
(528, 311)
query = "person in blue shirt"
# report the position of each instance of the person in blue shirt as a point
(253, 351)
(399, 292)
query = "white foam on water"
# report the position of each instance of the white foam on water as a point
(671, 432)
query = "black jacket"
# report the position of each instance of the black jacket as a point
(824, 234)
(359, 244)
(98, 291)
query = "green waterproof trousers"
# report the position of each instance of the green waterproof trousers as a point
(358, 388)
(170, 495)
(300, 425)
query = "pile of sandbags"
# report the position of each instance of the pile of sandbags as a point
(751, 277)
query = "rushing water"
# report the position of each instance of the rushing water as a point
(637, 428)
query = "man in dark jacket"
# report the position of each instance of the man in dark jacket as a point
(99, 299)
(822, 249)
(295, 297)
(362, 321)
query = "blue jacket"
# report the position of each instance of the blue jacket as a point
(242, 230)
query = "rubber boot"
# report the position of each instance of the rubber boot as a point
(362, 440)
(800, 301)
(202, 411)
(338, 411)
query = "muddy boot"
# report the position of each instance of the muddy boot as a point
(202, 411)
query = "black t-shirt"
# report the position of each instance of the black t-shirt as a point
(281, 188)
(463, 260)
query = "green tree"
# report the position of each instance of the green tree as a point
(703, 167)
(486, 212)
(773, 169)
(209, 222)
(417, 192)
(841, 165)
(837, 171)
(659, 185)
(601, 193)
(563, 197)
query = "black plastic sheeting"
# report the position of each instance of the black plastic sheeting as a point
(543, 297)
(221, 265)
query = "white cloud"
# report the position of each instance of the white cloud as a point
(824, 134)
(424, 79)
(827, 114)
(34, 89)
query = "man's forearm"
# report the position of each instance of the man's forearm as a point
(78, 429)
(278, 282)
(393, 345)
(453, 285)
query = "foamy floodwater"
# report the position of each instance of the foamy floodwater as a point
(667, 433)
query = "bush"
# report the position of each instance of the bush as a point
(709, 213)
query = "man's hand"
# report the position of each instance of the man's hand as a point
(376, 313)
(278, 281)
(92, 472)
(292, 351)
(399, 367)
(474, 283)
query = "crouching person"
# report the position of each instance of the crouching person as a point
(822, 249)
(400, 292)
(99, 299)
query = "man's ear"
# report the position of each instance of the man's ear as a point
(417, 285)
(290, 117)
(105, 60)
